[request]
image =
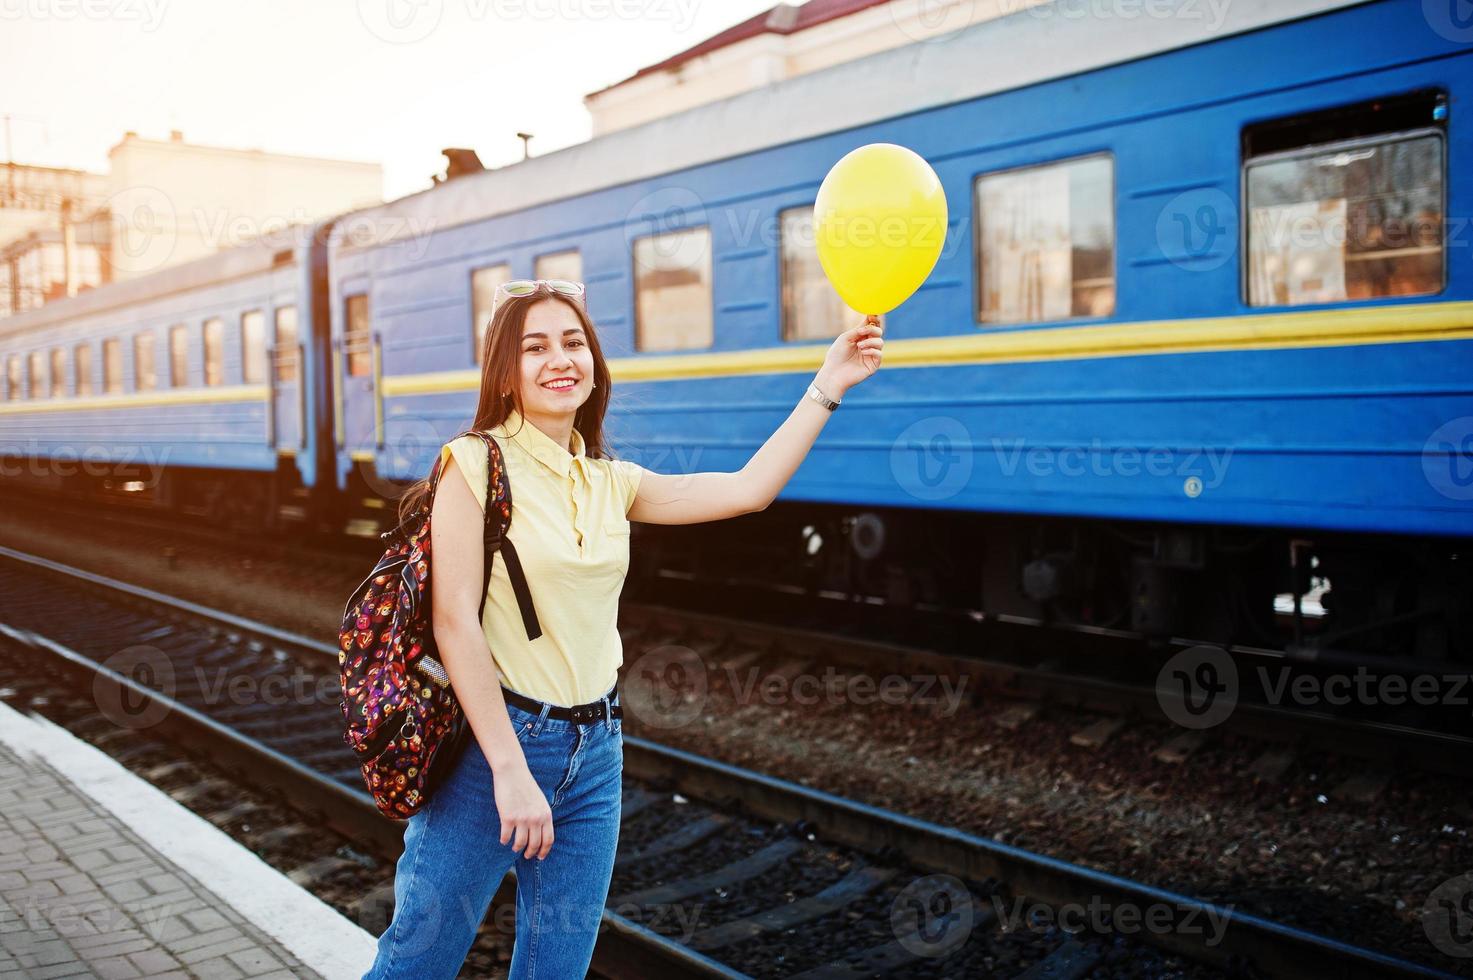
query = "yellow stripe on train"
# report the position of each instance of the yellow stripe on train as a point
(181, 396)
(1316, 328)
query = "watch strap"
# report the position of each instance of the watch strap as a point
(821, 398)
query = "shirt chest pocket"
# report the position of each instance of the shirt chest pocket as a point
(616, 539)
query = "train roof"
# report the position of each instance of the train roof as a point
(783, 18)
(975, 61)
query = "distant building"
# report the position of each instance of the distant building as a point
(786, 41)
(161, 202)
(38, 206)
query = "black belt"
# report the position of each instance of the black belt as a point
(583, 713)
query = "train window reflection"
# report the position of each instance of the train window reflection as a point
(811, 310)
(286, 343)
(178, 355)
(58, 372)
(483, 290)
(112, 367)
(253, 347)
(672, 290)
(38, 375)
(559, 265)
(1354, 220)
(145, 370)
(356, 339)
(1046, 242)
(214, 351)
(82, 369)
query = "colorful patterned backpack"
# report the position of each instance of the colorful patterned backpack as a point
(401, 716)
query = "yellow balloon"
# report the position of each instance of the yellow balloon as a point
(879, 221)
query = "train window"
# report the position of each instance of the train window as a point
(178, 356)
(483, 290)
(82, 368)
(811, 310)
(58, 372)
(12, 379)
(286, 343)
(672, 290)
(1046, 242)
(357, 342)
(253, 347)
(214, 351)
(145, 369)
(38, 375)
(1346, 220)
(112, 367)
(559, 265)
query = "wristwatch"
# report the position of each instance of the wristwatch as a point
(821, 398)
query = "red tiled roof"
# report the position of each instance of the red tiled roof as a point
(781, 19)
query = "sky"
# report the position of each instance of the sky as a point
(386, 81)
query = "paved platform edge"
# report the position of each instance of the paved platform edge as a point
(317, 934)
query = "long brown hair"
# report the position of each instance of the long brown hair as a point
(501, 371)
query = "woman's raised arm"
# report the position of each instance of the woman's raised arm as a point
(690, 498)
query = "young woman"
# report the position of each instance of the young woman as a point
(538, 786)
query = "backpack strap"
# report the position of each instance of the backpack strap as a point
(498, 519)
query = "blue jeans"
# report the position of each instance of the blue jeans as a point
(454, 860)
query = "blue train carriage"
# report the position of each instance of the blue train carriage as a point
(1198, 339)
(186, 389)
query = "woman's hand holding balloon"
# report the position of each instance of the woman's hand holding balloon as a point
(854, 356)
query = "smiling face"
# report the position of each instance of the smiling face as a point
(554, 352)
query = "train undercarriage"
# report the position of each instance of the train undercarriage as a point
(1272, 588)
(243, 501)
(1333, 593)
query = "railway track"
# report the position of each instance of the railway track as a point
(328, 554)
(721, 871)
(1108, 672)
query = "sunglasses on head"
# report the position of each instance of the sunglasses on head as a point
(526, 287)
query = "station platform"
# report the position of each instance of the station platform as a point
(102, 874)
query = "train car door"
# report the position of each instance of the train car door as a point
(288, 394)
(354, 365)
